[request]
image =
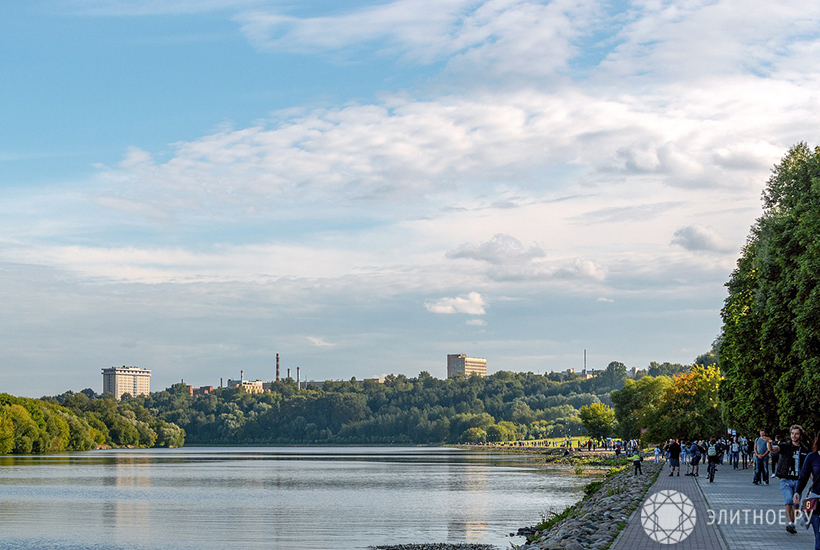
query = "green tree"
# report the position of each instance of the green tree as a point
(636, 404)
(503, 431)
(770, 348)
(473, 435)
(597, 419)
(667, 369)
(613, 376)
(6, 432)
(689, 408)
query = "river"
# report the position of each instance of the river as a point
(274, 497)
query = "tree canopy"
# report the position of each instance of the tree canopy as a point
(770, 349)
(597, 419)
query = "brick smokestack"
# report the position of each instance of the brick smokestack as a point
(277, 367)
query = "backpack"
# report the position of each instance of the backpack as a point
(712, 450)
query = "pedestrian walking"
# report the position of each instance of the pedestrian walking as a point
(792, 455)
(811, 511)
(636, 462)
(674, 456)
(735, 456)
(694, 452)
(761, 453)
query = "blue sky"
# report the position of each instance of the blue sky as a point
(364, 187)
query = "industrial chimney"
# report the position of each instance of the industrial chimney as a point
(298, 373)
(277, 367)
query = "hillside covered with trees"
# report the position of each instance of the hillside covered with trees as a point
(75, 422)
(422, 410)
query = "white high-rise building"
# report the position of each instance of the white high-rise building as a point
(133, 380)
(465, 366)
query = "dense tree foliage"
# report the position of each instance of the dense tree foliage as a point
(689, 408)
(770, 349)
(597, 419)
(499, 407)
(636, 404)
(35, 426)
(668, 369)
(123, 423)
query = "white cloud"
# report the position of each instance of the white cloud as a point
(700, 238)
(505, 36)
(520, 170)
(501, 249)
(476, 323)
(243, 263)
(319, 342)
(690, 40)
(581, 269)
(471, 304)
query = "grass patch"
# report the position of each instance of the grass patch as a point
(592, 487)
(553, 518)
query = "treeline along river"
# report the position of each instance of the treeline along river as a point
(269, 497)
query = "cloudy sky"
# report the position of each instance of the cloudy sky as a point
(192, 186)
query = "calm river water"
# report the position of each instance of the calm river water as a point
(314, 498)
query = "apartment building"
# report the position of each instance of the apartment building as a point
(121, 380)
(460, 364)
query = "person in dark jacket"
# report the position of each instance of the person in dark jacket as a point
(811, 467)
(674, 456)
(792, 455)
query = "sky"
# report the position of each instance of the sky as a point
(192, 186)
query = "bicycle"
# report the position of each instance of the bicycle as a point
(712, 468)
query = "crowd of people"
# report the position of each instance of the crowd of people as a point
(794, 461)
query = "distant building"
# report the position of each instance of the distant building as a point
(121, 380)
(250, 386)
(202, 390)
(465, 366)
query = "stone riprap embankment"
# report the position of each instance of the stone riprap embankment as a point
(593, 523)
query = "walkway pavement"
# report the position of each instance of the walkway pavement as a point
(734, 529)
(733, 491)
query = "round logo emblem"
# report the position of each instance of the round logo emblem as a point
(668, 517)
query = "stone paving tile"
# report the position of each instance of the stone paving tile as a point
(702, 537)
(731, 491)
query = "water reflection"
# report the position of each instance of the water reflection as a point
(274, 497)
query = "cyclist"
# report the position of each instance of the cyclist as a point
(713, 452)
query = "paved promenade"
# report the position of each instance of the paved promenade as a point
(736, 529)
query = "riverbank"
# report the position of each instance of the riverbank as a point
(595, 521)
(556, 456)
